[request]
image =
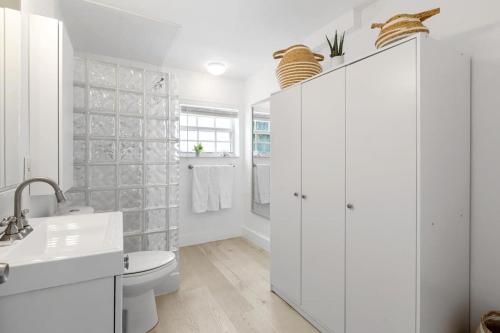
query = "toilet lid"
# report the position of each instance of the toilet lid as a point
(147, 260)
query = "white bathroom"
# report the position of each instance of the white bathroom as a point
(249, 166)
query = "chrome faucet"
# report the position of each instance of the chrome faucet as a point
(18, 227)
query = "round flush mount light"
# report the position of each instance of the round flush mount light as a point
(216, 68)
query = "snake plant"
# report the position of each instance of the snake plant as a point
(337, 48)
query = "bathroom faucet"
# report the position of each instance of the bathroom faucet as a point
(18, 227)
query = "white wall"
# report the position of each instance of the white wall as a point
(472, 27)
(49, 8)
(205, 89)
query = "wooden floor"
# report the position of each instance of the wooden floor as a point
(225, 288)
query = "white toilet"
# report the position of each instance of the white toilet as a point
(147, 271)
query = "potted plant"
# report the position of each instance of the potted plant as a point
(336, 49)
(198, 149)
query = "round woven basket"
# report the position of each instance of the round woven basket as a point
(297, 64)
(402, 25)
(490, 323)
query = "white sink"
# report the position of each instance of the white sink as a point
(64, 250)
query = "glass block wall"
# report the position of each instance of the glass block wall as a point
(126, 150)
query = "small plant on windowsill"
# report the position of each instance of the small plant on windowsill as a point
(198, 149)
(336, 49)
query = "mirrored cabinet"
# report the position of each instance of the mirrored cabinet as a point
(261, 158)
(50, 103)
(10, 98)
(35, 83)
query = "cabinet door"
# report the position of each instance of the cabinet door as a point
(65, 109)
(2, 98)
(13, 140)
(285, 193)
(323, 212)
(10, 98)
(381, 186)
(44, 100)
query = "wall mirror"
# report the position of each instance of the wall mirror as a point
(11, 170)
(261, 158)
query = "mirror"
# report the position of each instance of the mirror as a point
(261, 158)
(11, 170)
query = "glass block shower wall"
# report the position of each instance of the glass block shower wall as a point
(126, 150)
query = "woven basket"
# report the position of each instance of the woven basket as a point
(490, 323)
(402, 25)
(297, 63)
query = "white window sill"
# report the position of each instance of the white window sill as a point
(207, 155)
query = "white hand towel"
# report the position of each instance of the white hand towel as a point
(226, 180)
(213, 189)
(200, 188)
(264, 183)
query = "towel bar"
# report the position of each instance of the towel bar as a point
(190, 166)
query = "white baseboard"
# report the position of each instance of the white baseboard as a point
(257, 239)
(201, 238)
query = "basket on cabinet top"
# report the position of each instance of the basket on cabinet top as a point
(402, 25)
(297, 64)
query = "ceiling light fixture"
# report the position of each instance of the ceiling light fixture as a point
(216, 68)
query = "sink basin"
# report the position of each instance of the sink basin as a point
(64, 250)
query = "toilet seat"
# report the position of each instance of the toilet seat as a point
(146, 261)
(168, 268)
(147, 269)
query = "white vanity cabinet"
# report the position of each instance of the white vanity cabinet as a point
(370, 193)
(50, 103)
(11, 170)
(66, 276)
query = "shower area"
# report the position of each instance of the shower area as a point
(126, 149)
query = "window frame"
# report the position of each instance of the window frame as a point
(214, 113)
(256, 132)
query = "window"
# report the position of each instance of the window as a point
(214, 128)
(261, 136)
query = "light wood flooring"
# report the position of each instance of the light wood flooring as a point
(225, 288)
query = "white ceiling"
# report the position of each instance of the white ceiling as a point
(188, 33)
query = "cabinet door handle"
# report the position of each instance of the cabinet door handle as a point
(126, 261)
(349, 205)
(295, 194)
(304, 196)
(4, 272)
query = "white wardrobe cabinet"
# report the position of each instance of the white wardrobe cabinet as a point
(377, 239)
(50, 103)
(10, 98)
